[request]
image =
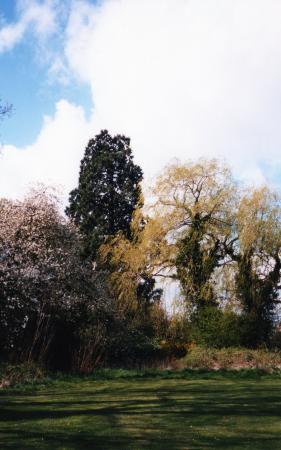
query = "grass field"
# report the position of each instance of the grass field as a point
(190, 412)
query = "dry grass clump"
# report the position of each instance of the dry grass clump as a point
(231, 359)
(12, 375)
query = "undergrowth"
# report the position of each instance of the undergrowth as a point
(204, 363)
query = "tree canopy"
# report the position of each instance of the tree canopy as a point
(108, 191)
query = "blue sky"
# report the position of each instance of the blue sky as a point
(7, 10)
(25, 82)
(184, 79)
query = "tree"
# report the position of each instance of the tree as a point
(195, 203)
(258, 262)
(108, 191)
(133, 263)
(45, 287)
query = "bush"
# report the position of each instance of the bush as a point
(12, 375)
(171, 350)
(222, 329)
(275, 342)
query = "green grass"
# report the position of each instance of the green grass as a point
(116, 410)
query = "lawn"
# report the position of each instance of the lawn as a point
(189, 412)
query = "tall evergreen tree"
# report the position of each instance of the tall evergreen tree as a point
(108, 191)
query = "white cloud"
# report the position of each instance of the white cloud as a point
(40, 18)
(181, 78)
(53, 159)
(184, 78)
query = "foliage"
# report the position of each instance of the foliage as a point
(12, 375)
(195, 266)
(108, 191)
(220, 328)
(132, 262)
(75, 308)
(194, 201)
(224, 245)
(259, 263)
(179, 329)
(143, 321)
(44, 284)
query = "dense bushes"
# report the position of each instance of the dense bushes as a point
(220, 328)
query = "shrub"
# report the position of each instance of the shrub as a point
(11, 375)
(222, 329)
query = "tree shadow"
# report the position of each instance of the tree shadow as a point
(180, 416)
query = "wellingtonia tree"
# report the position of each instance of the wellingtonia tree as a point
(108, 191)
(103, 207)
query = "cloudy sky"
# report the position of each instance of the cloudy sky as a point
(182, 78)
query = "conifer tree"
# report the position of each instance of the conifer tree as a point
(108, 191)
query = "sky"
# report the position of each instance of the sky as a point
(183, 79)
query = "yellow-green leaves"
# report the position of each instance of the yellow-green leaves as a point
(259, 221)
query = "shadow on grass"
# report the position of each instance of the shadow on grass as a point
(152, 415)
(36, 440)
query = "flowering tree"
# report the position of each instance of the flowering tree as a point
(42, 277)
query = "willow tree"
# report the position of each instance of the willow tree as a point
(196, 202)
(135, 262)
(258, 261)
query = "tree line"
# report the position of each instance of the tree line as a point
(84, 289)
